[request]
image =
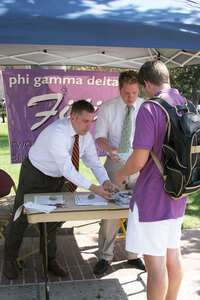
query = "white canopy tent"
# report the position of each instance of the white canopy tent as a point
(120, 57)
(111, 33)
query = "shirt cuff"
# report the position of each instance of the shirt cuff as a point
(85, 184)
(101, 181)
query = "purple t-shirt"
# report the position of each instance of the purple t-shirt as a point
(154, 204)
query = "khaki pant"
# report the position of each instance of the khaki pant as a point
(109, 227)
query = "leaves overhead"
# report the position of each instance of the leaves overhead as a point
(187, 81)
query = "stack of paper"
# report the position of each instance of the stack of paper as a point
(83, 200)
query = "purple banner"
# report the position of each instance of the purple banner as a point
(36, 98)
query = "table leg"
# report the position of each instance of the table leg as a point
(45, 262)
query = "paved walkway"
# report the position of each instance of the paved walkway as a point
(78, 253)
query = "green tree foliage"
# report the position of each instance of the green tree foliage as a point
(187, 81)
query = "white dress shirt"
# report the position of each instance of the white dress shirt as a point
(111, 117)
(52, 152)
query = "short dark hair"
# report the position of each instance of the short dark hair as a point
(130, 77)
(79, 106)
(154, 71)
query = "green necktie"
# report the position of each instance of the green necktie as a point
(125, 143)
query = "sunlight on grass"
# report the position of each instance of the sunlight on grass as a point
(190, 222)
(192, 215)
(5, 163)
(87, 173)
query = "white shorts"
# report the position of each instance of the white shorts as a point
(152, 238)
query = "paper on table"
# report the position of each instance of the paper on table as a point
(45, 199)
(33, 207)
(38, 207)
(83, 200)
(122, 199)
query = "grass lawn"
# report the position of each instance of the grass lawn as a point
(192, 216)
(5, 164)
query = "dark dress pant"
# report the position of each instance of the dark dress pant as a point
(31, 180)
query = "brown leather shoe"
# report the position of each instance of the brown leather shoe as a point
(54, 267)
(9, 269)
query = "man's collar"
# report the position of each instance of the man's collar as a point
(134, 104)
(72, 132)
(122, 103)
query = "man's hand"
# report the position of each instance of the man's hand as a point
(112, 152)
(101, 191)
(111, 186)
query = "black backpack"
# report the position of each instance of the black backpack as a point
(181, 149)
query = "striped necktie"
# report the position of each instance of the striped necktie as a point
(125, 144)
(75, 160)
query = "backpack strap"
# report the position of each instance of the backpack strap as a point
(158, 164)
(188, 106)
(166, 107)
(162, 102)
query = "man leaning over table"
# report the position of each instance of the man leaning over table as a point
(48, 165)
(109, 137)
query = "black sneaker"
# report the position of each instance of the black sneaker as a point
(137, 263)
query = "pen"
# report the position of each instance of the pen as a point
(56, 204)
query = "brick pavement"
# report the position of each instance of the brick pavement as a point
(79, 254)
